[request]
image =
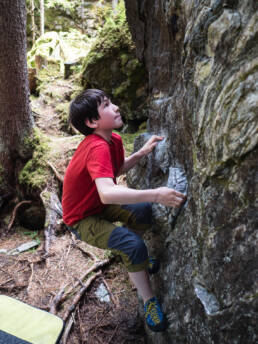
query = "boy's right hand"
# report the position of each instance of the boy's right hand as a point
(170, 197)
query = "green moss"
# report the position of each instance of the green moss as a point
(128, 140)
(113, 38)
(143, 126)
(63, 110)
(112, 65)
(46, 75)
(35, 173)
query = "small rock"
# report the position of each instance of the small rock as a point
(208, 300)
(102, 293)
(24, 247)
(3, 251)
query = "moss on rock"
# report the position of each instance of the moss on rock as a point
(58, 48)
(112, 65)
(35, 173)
(63, 110)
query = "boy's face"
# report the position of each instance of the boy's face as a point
(109, 114)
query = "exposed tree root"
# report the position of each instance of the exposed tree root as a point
(56, 300)
(68, 329)
(74, 304)
(81, 246)
(57, 174)
(31, 277)
(79, 295)
(91, 269)
(113, 298)
(14, 213)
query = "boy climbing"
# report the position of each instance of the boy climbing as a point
(92, 201)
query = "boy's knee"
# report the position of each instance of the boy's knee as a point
(140, 252)
(129, 244)
(141, 211)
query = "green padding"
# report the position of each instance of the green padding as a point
(28, 323)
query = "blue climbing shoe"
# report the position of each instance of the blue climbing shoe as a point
(154, 316)
(153, 265)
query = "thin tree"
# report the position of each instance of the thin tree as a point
(82, 14)
(42, 17)
(33, 25)
(114, 5)
(16, 120)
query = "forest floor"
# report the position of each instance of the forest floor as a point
(39, 279)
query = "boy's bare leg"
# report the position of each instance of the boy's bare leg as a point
(141, 281)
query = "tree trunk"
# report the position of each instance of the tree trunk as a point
(42, 17)
(33, 25)
(16, 120)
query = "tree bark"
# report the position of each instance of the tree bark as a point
(16, 120)
(42, 17)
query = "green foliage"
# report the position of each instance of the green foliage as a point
(114, 35)
(112, 65)
(63, 110)
(59, 47)
(33, 235)
(35, 173)
(65, 4)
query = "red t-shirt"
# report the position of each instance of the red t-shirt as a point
(94, 158)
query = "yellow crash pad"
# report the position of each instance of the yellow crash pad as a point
(22, 323)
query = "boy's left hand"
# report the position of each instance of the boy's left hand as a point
(150, 144)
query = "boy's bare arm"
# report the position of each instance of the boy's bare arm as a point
(110, 193)
(133, 159)
(130, 162)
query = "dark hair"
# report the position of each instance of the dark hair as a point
(85, 106)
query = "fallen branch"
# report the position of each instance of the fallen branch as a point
(36, 114)
(91, 269)
(79, 244)
(113, 334)
(68, 329)
(57, 174)
(31, 277)
(56, 300)
(15, 286)
(114, 300)
(14, 213)
(9, 280)
(80, 323)
(79, 295)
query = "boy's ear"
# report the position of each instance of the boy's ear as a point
(91, 124)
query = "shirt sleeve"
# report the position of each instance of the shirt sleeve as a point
(99, 162)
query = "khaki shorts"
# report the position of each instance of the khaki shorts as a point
(126, 241)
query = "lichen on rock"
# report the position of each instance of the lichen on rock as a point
(201, 59)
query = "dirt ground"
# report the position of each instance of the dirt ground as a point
(38, 279)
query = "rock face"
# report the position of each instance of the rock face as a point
(202, 63)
